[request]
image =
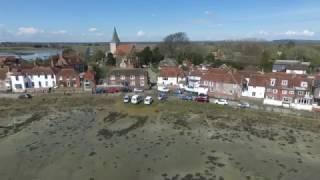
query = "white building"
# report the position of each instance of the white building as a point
(171, 77)
(254, 87)
(34, 78)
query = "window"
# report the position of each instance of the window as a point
(122, 77)
(60, 78)
(206, 83)
(275, 91)
(141, 77)
(284, 92)
(291, 92)
(17, 78)
(132, 77)
(47, 84)
(253, 94)
(112, 78)
(132, 83)
(165, 78)
(142, 83)
(18, 86)
(52, 76)
(46, 76)
(68, 83)
(32, 84)
(284, 82)
(269, 90)
(286, 99)
(300, 93)
(304, 84)
(273, 82)
(40, 84)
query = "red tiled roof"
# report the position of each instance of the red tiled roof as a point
(258, 80)
(3, 73)
(171, 72)
(294, 80)
(67, 72)
(124, 49)
(36, 70)
(221, 77)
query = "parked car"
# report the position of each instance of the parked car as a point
(148, 100)
(162, 97)
(186, 97)
(178, 91)
(113, 90)
(163, 89)
(25, 96)
(137, 90)
(127, 99)
(202, 98)
(100, 91)
(244, 105)
(136, 99)
(221, 101)
(126, 90)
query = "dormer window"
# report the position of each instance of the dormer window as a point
(304, 84)
(272, 82)
(284, 82)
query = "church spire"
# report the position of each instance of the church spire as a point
(115, 37)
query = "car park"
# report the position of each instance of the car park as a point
(202, 98)
(136, 99)
(137, 90)
(162, 97)
(221, 102)
(125, 90)
(127, 99)
(186, 97)
(148, 100)
(244, 105)
(100, 91)
(25, 96)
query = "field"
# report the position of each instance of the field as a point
(99, 137)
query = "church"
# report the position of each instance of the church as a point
(124, 53)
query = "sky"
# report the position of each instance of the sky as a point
(152, 20)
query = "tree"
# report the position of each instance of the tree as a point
(111, 60)
(145, 56)
(175, 44)
(265, 63)
(156, 56)
(210, 58)
(98, 56)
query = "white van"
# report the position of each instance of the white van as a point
(148, 100)
(136, 99)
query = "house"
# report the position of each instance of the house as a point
(5, 84)
(290, 66)
(171, 76)
(37, 77)
(9, 61)
(68, 61)
(221, 83)
(133, 78)
(254, 86)
(125, 54)
(317, 90)
(68, 77)
(87, 80)
(289, 90)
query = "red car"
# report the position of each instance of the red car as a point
(113, 90)
(202, 98)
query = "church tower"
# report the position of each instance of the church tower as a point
(114, 42)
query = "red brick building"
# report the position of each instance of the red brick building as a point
(68, 77)
(133, 78)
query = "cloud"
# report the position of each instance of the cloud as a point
(29, 31)
(93, 29)
(60, 32)
(306, 33)
(207, 12)
(264, 33)
(141, 33)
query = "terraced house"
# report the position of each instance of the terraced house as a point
(133, 78)
(289, 90)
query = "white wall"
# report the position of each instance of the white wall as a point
(296, 72)
(19, 81)
(170, 81)
(45, 82)
(113, 48)
(272, 102)
(259, 92)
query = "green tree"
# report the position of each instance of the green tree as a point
(156, 56)
(210, 58)
(145, 56)
(265, 62)
(111, 60)
(174, 44)
(98, 56)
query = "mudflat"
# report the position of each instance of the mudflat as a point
(99, 137)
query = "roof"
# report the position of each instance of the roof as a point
(115, 37)
(67, 72)
(286, 62)
(294, 80)
(3, 73)
(89, 75)
(297, 67)
(220, 77)
(168, 62)
(125, 49)
(258, 80)
(37, 70)
(128, 72)
(171, 72)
